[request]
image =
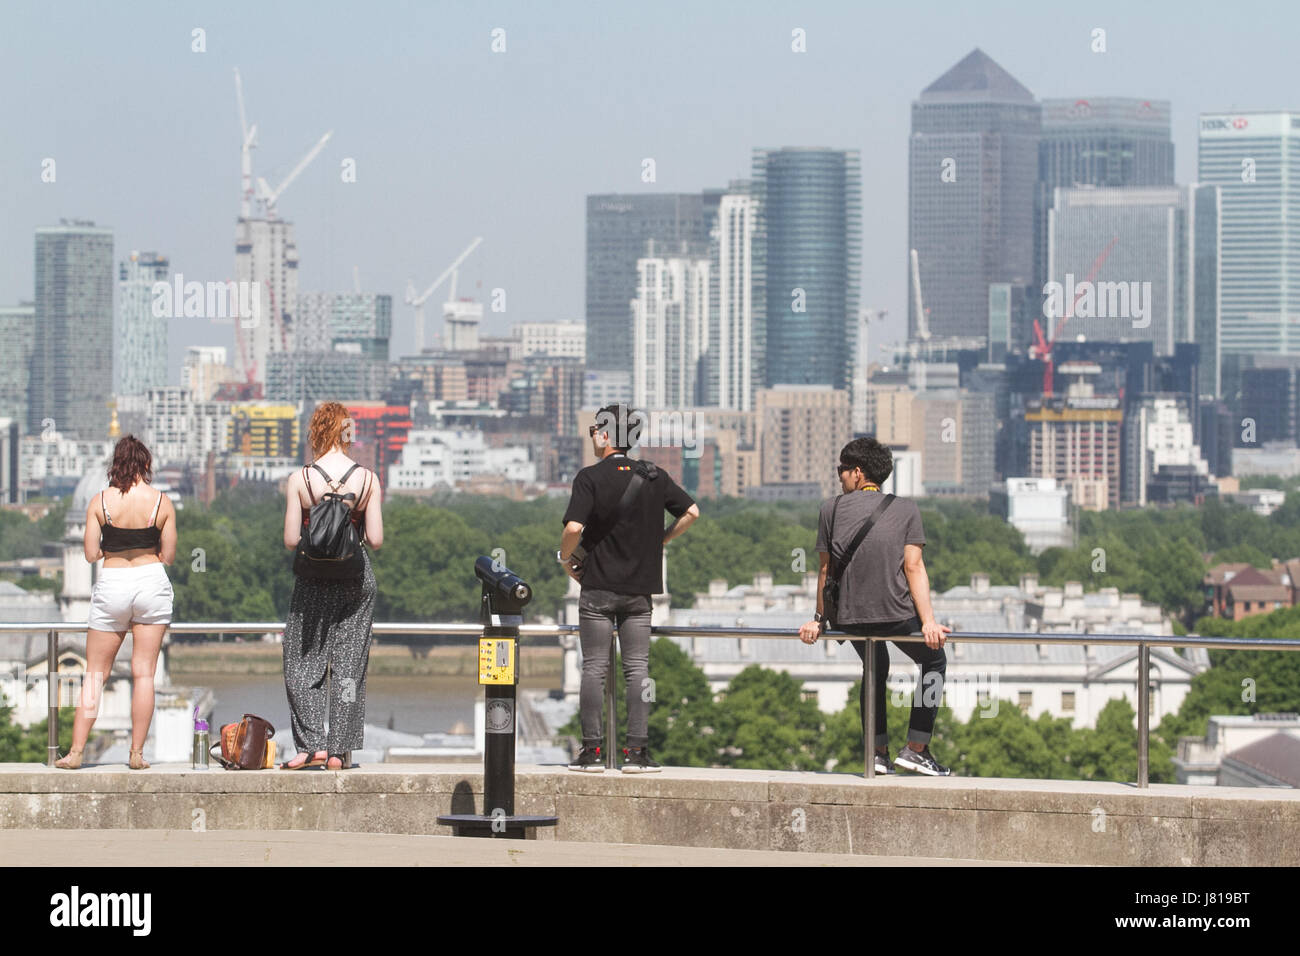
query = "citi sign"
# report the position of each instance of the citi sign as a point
(1238, 122)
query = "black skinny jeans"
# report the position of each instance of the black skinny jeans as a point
(927, 696)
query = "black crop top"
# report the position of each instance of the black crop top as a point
(125, 539)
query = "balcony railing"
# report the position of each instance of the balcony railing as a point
(433, 632)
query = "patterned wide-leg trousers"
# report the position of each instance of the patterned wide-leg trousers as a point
(327, 634)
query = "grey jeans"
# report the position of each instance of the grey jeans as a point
(599, 613)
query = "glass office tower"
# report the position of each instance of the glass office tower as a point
(1255, 160)
(807, 254)
(72, 360)
(972, 178)
(618, 226)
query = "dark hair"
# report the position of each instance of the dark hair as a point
(875, 460)
(622, 423)
(131, 462)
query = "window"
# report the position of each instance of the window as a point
(1067, 701)
(1026, 700)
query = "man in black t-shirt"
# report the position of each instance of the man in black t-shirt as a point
(613, 546)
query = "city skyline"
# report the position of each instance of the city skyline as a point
(520, 165)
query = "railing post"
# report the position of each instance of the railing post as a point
(611, 711)
(1144, 712)
(869, 708)
(52, 687)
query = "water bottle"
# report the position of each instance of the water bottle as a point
(199, 760)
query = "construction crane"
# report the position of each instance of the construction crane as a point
(268, 196)
(418, 300)
(248, 141)
(922, 323)
(1043, 347)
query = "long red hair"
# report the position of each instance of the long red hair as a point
(330, 425)
(131, 463)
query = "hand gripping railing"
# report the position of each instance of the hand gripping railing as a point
(417, 630)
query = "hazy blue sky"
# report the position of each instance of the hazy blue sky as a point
(452, 140)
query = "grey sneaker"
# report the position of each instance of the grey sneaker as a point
(921, 762)
(882, 764)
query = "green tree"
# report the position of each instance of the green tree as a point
(764, 722)
(28, 744)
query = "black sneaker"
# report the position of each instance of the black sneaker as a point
(921, 762)
(589, 760)
(882, 764)
(637, 760)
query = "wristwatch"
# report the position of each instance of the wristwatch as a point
(560, 558)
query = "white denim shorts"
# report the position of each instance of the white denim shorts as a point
(132, 595)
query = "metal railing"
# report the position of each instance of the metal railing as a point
(1143, 642)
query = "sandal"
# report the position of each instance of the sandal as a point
(135, 760)
(310, 761)
(70, 761)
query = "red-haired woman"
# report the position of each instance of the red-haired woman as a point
(133, 528)
(329, 620)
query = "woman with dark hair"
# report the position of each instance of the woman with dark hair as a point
(329, 618)
(133, 528)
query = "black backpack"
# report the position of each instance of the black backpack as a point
(330, 547)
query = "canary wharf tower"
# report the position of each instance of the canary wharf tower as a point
(972, 177)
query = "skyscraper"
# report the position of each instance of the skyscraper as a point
(618, 226)
(737, 328)
(266, 255)
(1099, 141)
(670, 328)
(1106, 141)
(1254, 157)
(807, 251)
(1151, 242)
(972, 177)
(17, 341)
(72, 360)
(139, 336)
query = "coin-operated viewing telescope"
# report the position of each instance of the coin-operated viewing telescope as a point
(501, 610)
(504, 593)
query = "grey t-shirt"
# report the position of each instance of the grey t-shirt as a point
(873, 588)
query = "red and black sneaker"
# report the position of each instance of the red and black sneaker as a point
(637, 760)
(589, 760)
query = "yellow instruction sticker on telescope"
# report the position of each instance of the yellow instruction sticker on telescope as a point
(496, 661)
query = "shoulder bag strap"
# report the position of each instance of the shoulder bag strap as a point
(306, 477)
(862, 533)
(588, 545)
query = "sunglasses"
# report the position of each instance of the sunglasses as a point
(592, 429)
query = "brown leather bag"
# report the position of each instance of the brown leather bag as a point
(246, 745)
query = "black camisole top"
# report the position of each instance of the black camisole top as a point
(124, 539)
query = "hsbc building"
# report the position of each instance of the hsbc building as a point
(1254, 159)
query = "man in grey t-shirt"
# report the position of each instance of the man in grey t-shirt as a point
(885, 590)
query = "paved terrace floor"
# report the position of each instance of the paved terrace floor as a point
(302, 848)
(650, 818)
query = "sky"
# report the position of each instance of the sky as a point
(451, 140)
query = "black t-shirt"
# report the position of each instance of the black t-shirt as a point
(629, 559)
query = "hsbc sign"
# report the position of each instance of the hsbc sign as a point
(1225, 124)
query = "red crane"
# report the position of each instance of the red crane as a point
(1044, 347)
